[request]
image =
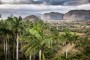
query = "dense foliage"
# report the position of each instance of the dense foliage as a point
(26, 40)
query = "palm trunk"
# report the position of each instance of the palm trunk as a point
(17, 42)
(43, 56)
(40, 53)
(33, 57)
(67, 51)
(13, 50)
(30, 58)
(4, 47)
(6, 50)
(13, 47)
(67, 46)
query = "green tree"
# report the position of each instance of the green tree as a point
(68, 38)
(39, 38)
(15, 24)
(6, 34)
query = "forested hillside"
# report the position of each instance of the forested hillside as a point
(26, 40)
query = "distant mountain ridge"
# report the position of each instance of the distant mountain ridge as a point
(52, 16)
(77, 15)
(73, 15)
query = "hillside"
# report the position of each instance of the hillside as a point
(77, 15)
(52, 16)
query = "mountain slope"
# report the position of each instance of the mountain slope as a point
(52, 16)
(77, 15)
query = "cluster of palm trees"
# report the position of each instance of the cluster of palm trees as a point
(29, 38)
(11, 29)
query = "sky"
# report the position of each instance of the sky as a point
(38, 7)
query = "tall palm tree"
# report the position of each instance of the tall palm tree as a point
(15, 24)
(6, 33)
(39, 38)
(28, 46)
(38, 31)
(68, 38)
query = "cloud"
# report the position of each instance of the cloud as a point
(48, 2)
(84, 6)
(40, 8)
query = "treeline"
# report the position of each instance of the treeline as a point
(25, 40)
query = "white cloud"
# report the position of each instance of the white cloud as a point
(84, 6)
(41, 7)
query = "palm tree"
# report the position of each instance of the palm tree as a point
(15, 24)
(28, 46)
(44, 36)
(38, 39)
(68, 38)
(31, 41)
(6, 33)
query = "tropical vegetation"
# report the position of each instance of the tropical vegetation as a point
(26, 40)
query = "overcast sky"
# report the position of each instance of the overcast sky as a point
(49, 2)
(41, 6)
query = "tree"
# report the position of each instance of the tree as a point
(68, 38)
(39, 37)
(15, 24)
(5, 32)
(44, 36)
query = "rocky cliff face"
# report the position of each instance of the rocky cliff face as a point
(52, 16)
(77, 15)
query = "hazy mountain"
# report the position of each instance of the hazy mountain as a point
(32, 18)
(52, 16)
(77, 15)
